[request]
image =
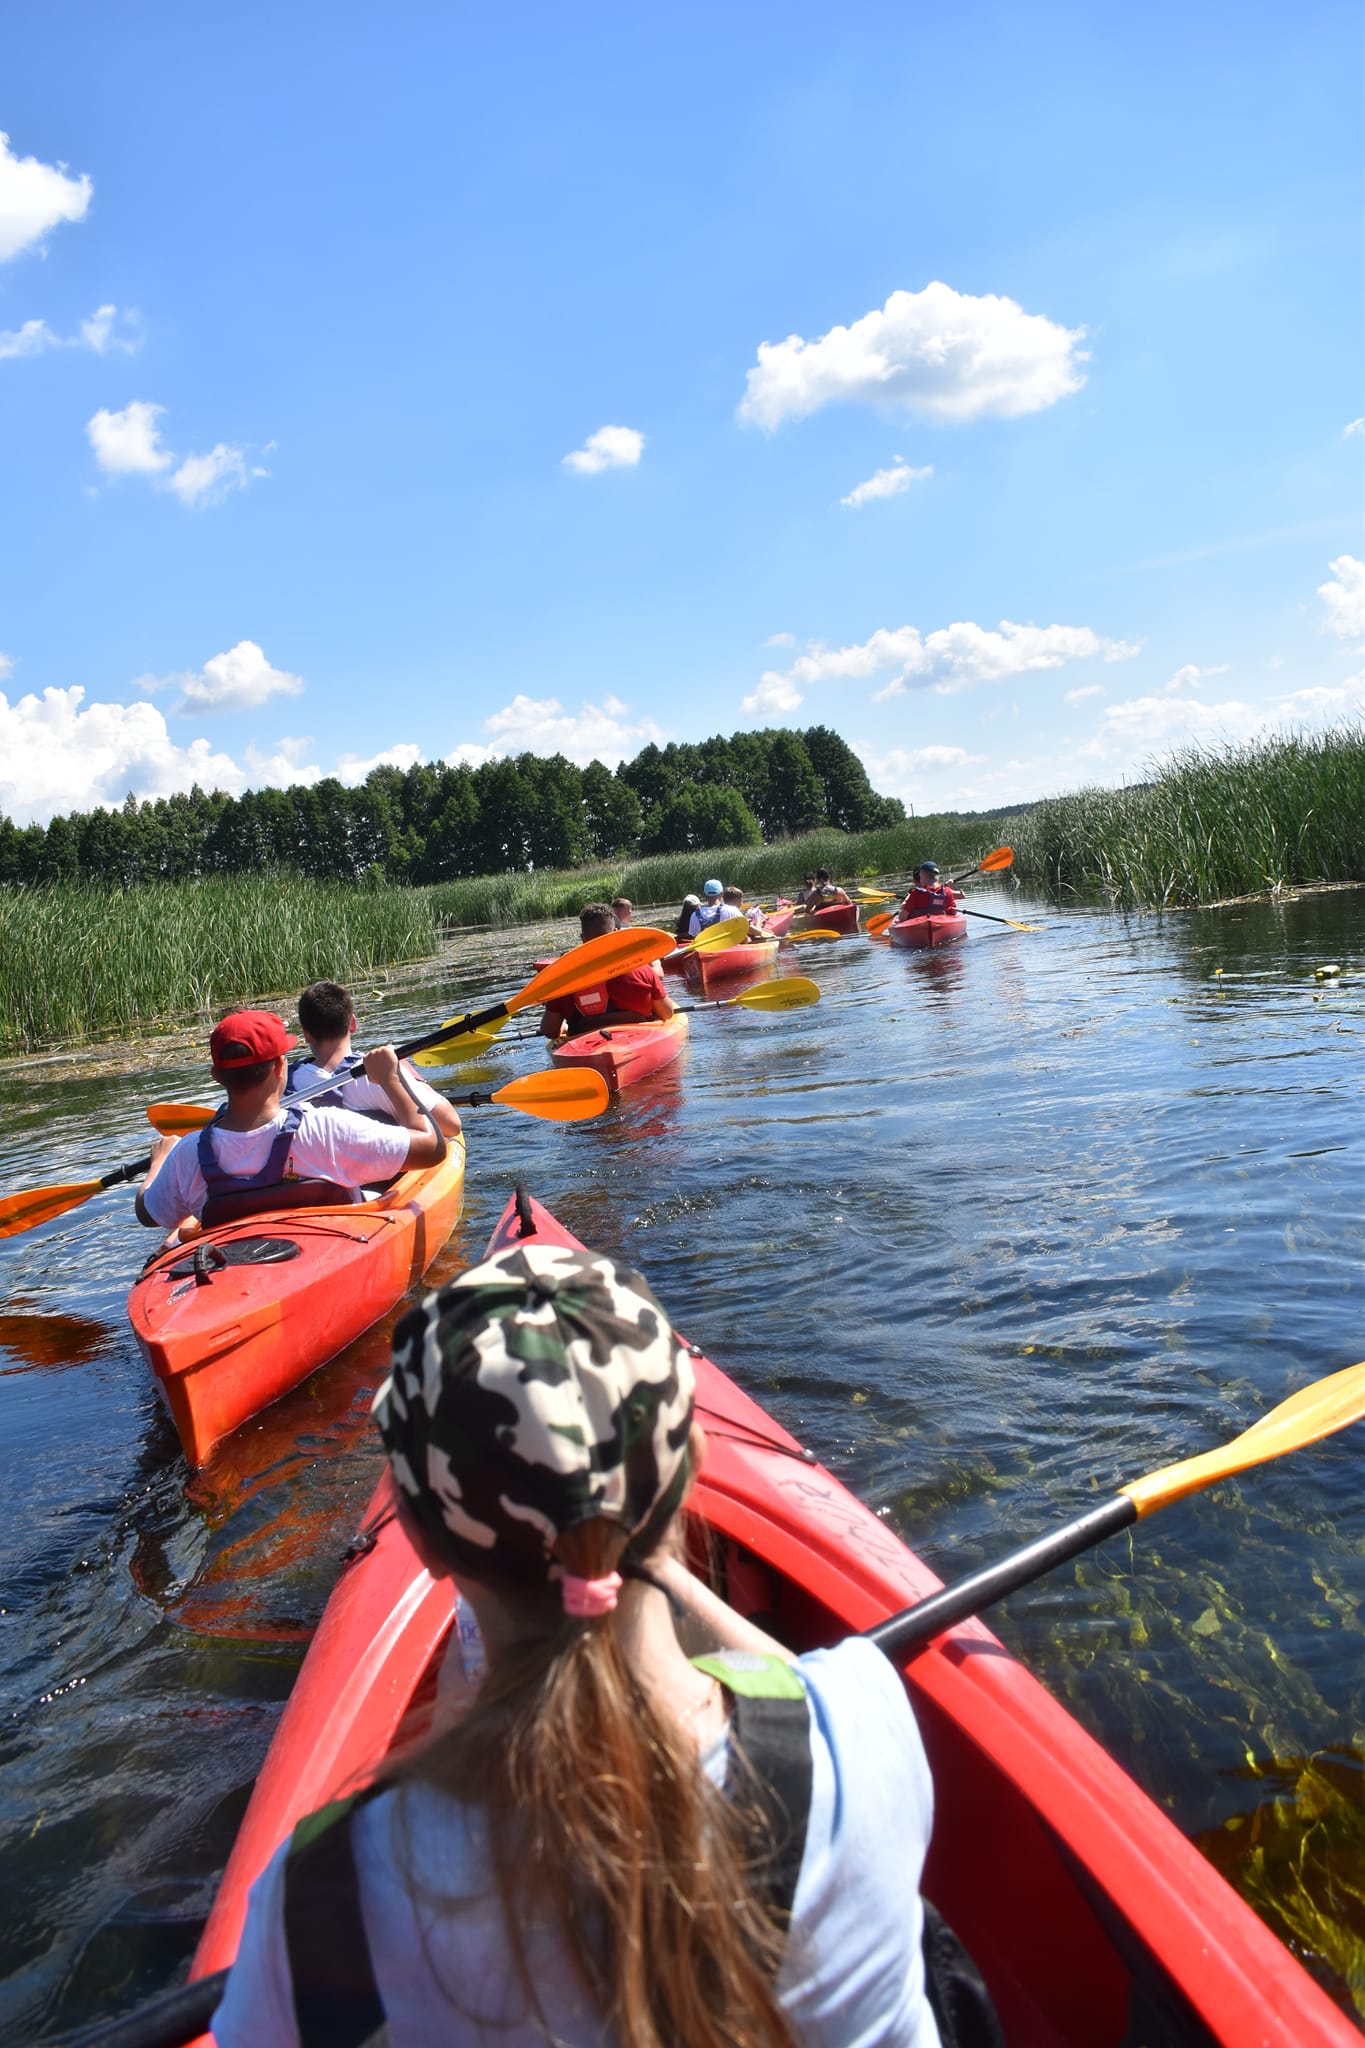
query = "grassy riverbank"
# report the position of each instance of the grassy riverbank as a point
(1277, 814)
(80, 960)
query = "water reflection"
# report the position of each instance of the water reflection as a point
(990, 1228)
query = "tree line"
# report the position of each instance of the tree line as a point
(435, 822)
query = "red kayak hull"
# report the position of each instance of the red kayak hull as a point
(706, 969)
(838, 917)
(225, 1348)
(918, 932)
(1074, 1894)
(623, 1053)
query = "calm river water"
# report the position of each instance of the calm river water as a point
(989, 1229)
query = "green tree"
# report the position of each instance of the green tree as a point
(795, 800)
(611, 813)
(693, 818)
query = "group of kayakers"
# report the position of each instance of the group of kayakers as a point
(607, 1839)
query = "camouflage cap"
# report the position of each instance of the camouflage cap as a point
(539, 1390)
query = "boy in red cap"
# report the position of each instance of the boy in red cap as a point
(258, 1154)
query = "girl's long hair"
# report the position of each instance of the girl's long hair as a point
(597, 1808)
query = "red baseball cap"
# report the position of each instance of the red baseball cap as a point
(247, 1038)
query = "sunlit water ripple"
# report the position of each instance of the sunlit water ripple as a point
(990, 1230)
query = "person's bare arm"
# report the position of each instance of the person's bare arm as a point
(160, 1148)
(551, 1023)
(713, 1618)
(425, 1145)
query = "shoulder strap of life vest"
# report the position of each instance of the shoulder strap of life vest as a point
(270, 1175)
(346, 1070)
(768, 1778)
(336, 2000)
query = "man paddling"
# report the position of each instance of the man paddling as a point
(259, 1153)
(327, 1020)
(636, 997)
(929, 895)
(711, 910)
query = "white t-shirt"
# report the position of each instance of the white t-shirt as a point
(701, 921)
(330, 1144)
(364, 1096)
(853, 1974)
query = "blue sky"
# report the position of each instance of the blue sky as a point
(986, 384)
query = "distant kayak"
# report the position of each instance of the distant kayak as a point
(927, 931)
(731, 961)
(837, 917)
(235, 1317)
(623, 1053)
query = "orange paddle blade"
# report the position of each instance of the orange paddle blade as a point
(595, 960)
(173, 1119)
(875, 926)
(992, 864)
(39, 1205)
(1315, 1411)
(564, 1096)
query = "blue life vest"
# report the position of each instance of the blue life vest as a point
(217, 1183)
(350, 1068)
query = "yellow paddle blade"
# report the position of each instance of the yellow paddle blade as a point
(472, 1045)
(873, 895)
(1315, 1411)
(819, 931)
(564, 1096)
(791, 992)
(173, 1119)
(730, 931)
(39, 1205)
(595, 960)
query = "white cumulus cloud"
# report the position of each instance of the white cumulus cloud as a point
(236, 681)
(780, 640)
(775, 696)
(921, 776)
(608, 448)
(1324, 704)
(950, 659)
(1355, 426)
(98, 333)
(1344, 598)
(942, 354)
(34, 198)
(354, 767)
(1191, 675)
(285, 768)
(886, 483)
(1086, 690)
(128, 443)
(540, 725)
(56, 756)
(204, 479)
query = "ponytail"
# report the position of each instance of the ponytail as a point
(597, 1807)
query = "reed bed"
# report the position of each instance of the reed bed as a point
(78, 960)
(1279, 813)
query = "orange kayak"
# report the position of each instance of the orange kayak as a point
(245, 1311)
(622, 1053)
(836, 917)
(927, 931)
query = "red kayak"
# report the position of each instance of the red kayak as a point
(836, 917)
(622, 1053)
(1094, 1922)
(239, 1314)
(731, 961)
(927, 931)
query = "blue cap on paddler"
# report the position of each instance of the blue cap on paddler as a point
(713, 889)
(537, 1391)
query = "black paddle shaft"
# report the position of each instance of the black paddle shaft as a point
(167, 2023)
(478, 1022)
(909, 1631)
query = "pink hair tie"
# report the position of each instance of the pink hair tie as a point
(587, 1598)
